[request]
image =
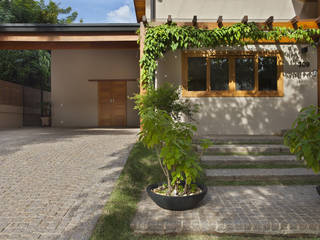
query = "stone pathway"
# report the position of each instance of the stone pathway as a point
(274, 210)
(55, 182)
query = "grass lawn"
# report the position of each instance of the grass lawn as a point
(140, 170)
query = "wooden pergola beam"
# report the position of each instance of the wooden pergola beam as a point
(303, 23)
(244, 19)
(219, 22)
(169, 20)
(269, 22)
(194, 21)
(294, 21)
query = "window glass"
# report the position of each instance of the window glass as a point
(197, 74)
(267, 73)
(219, 74)
(244, 74)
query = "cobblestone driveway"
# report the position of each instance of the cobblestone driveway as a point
(55, 182)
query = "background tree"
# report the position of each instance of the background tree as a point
(30, 67)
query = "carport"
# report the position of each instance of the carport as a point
(94, 69)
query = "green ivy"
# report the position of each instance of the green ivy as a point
(163, 38)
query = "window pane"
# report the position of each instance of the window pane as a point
(267, 73)
(244, 74)
(197, 74)
(219, 75)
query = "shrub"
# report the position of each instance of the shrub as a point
(304, 137)
(163, 131)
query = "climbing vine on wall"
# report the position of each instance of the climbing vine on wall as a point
(163, 38)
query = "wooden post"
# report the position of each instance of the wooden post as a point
(142, 37)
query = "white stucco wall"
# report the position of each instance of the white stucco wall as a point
(253, 115)
(74, 98)
(209, 10)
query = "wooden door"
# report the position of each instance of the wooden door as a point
(112, 103)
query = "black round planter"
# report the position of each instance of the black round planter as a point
(318, 189)
(176, 203)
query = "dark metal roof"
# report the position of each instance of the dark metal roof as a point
(74, 27)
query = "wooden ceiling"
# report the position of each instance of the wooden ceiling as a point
(140, 6)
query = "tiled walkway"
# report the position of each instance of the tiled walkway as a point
(55, 182)
(273, 210)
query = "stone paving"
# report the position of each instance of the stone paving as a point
(274, 210)
(55, 182)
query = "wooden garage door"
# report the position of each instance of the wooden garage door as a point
(112, 103)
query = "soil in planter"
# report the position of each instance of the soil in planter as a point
(163, 190)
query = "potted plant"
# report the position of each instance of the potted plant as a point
(171, 139)
(45, 114)
(303, 138)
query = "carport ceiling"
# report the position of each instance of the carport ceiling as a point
(68, 36)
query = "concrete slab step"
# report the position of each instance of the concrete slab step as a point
(247, 159)
(261, 174)
(242, 139)
(254, 148)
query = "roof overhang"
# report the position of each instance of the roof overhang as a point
(69, 36)
(140, 6)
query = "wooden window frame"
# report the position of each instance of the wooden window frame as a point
(231, 56)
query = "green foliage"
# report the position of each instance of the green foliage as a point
(167, 99)
(30, 68)
(171, 138)
(304, 137)
(163, 38)
(32, 11)
(27, 68)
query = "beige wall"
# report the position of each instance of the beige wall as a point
(74, 98)
(253, 115)
(209, 10)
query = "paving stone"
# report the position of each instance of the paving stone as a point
(259, 173)
(240, 159)
(254, 148)
(269, 210)
(55, 182)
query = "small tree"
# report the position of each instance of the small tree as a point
(304, 137)
(164, 132)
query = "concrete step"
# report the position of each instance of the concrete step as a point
(261, 174)
(248, 159)
(242, 139)
(254, 148)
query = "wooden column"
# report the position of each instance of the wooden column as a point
(142, 37)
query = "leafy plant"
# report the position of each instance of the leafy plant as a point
(163, 38)
(304, 137)
(167, 98)
(170, 138)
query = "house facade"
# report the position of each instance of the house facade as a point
(255, 89)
